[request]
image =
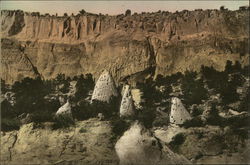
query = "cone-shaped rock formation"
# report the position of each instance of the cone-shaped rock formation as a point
(65, 110)
(139, 146)
(127, 107)
(135, 146)
(178, 114)
(104, 88)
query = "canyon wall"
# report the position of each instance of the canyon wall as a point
(127, 46)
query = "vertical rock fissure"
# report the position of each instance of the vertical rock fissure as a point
(196, 25)
(67, 142)
(12, 146)
(152, 57)
(33, 67)
(160, 147)
(51, 28)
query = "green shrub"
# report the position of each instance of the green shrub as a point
(193, 90)
(160, 121)
(119, 126)
(194, 122)
(9, 124)
(107, 109)
(7, 110)
(83, 86)
(29, 95)
(147, 116)
(41, 116)
(177, 140)
(3, 86)
(83, 111)
(228, 93)
(220, 82)
(62, 80)
(63, 122)
(245, 103)
(82, 130)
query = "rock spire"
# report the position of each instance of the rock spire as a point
(178, 114)
(65, 110)
(127, 107)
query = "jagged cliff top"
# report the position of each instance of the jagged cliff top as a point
(164, 25)
(164, 13)
(126, 45)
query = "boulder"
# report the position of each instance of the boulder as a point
(139, 146)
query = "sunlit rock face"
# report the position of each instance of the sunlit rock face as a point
(139, 146)
(127, 46)
(127, 105)
(178, 114)
(104, 88)
(36, 145)
(65, 111)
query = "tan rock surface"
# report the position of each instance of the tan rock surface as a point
(126, 46)
(127, 103)
(86, 143)
(138, 146)
(207, 145)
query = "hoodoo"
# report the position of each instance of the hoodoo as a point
(178, 114)
(135, 146)
(65, 110)
(127, 107)
(138, 146)
(104, 88)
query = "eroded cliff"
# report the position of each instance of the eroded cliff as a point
(162, 42)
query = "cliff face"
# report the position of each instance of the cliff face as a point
(166, 43)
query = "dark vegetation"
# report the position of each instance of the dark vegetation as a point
(33, 96)
(196, 89)
(177, 141)
(39, 98)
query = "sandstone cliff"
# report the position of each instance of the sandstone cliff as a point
(162, 42)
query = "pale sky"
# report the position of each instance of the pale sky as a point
(116, 7)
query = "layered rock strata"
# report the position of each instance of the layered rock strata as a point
(127, 46)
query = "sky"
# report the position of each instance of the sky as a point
(116, 7)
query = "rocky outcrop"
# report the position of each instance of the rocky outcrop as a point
(161, 42)
(86, 143)
(138, 146)
(207, 145)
